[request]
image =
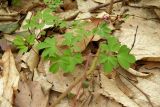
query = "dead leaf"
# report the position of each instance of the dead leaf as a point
(9, 27)
(151, 3)
(42, 79)
(147, 39)
(109, 89)
(82, 16)
(31, 95)
(85, 8)
(69, 15)
(157, 11)
(53, 96)
(150, 86)
(31, 58)
(23, 96)
(62, 81)
(9, 80)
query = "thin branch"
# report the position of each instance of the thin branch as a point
(111, 7)
(135, 36)
(78, 79)
(102, 5)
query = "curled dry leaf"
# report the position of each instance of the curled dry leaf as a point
(137, 73)
(9, 80)
(127, 74)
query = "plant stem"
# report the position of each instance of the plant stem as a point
(78, 79)
(102, 5)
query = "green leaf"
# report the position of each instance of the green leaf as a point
(54, 68)
(30, 39)
(102, 30)
(49, 46)
(113, 44)
(18, 41)
(69, 60)
(109, 62)
(23, 49)
(124, 58)
(69, 39)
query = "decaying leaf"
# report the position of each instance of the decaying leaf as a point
(83, 7)
(46, 86)
(62, 81)
(69, 15)
(31, 95)
(109, 89)
(9, 27)
(9, 80)
(136, 73)
(31, 58)
(147, 38)
(150, 86)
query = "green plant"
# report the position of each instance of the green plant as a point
(24, 43)
(53, 4)
(112, 53)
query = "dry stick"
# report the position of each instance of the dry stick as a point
(86, 66)
(135, 36)
(78, 79)
(102, 5)
(147, 97)
(110, 7)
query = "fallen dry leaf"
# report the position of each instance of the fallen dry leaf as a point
(31, 95)
(31, 58)
(147, 39)
(150, 86)
(9, 80)
(83, 7)
(42, 79)
(109, 89)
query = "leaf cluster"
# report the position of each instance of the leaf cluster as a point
(24, 43)
(112, 53)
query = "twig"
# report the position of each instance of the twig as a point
(102, 5)
(86, 66)
(9, 14)
(142, 6)
(135, 35)
(147, 97)
(110, 7)
(78, 79)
